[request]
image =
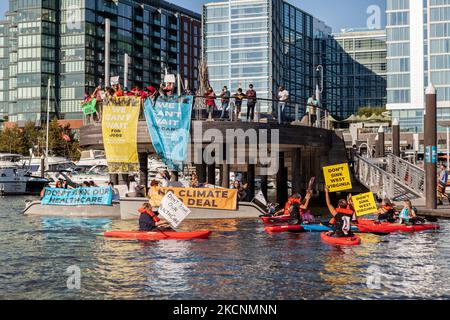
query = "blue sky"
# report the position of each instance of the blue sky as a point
(336, 13)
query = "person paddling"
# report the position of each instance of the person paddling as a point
(149, 220)
(296, 198)
(387, 211)
(343, 215)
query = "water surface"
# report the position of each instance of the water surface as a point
(240, 261)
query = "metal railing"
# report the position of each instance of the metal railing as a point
(409, 174)
(384, 183)
(264, 110)
(374, 178)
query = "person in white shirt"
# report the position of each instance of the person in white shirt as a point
(283, 97)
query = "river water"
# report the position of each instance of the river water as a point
(240, 261)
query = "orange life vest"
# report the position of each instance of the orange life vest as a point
(150, 213)
(347, 212)
(289, 203)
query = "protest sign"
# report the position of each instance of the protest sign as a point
(337, 177)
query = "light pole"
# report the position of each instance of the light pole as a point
(319, 91)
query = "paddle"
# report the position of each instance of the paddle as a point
(430, 219)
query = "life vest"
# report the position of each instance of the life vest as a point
(289, 203)
(347, 212)
(150, 213)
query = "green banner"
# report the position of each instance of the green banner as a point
(89, 107)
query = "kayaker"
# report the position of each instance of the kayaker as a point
(343, 216)
(387, 211)
(408, 215)
(149, 220)
(295, 198)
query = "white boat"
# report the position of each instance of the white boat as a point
(15, 179)
(127, 209)
(91, 158)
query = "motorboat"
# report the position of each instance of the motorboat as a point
(16, 179)
(91, 158)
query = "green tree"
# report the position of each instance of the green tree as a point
(369, 111)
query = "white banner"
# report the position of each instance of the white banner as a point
(173, 210)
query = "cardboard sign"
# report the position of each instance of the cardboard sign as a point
(364, 204)
(337, 177)
(208, 198)
(114, 80)
(173, 210)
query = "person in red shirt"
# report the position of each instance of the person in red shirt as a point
(296, 198)
(210, 101)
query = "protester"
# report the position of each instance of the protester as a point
(194, 181)
(387, 212)
(408, 214)
(225, 100)
(283, 97)
(210, 101)
(311, 110)
(165, 175)
(343, 215)
(238, 98)
(251, 102)
(246, 192)
(116, 193)
(295, 198)
(149, 220)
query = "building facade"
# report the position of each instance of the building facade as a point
(264, 42)
(355, 71)
(411, 61)
(65, 43)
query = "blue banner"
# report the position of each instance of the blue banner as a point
(169, 125)
(101, 196)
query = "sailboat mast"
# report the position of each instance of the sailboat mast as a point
(48, 116)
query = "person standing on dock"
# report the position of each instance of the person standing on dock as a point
(238, 97)
(442, 185)
(251, 103)
(225, 99)
(311, 110)
(283, 97)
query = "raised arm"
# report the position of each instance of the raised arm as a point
(329, 205)
(307, 200)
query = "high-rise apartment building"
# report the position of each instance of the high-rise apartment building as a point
(411, 61)
(64, 41)
(264, 42)
(355, 71)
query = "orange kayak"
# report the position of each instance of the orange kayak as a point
(340, 241)
(158, 235)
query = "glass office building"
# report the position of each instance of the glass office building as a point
(66, 44)
(264, 42)
(355, 71)
(408, 59)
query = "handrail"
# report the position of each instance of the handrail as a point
(294, 112)
(410, 175)
(384, 183)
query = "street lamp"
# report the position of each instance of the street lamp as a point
(319, 68)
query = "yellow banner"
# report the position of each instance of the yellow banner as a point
(222, 199)
(364, 204)
(337, 177)
(119, 125)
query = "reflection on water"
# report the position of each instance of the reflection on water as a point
(240, 261)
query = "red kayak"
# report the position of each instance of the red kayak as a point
(277, 219)
(158, 235)
(340, 241)
(285, 228)
(388, 227)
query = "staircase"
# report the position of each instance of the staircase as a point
(391, 177)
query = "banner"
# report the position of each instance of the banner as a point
(337, 177)
(119, 124)
(169, 124)
(364, 204)
(89, 107)
(224, 199)
(173, 210)
(101, 196)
